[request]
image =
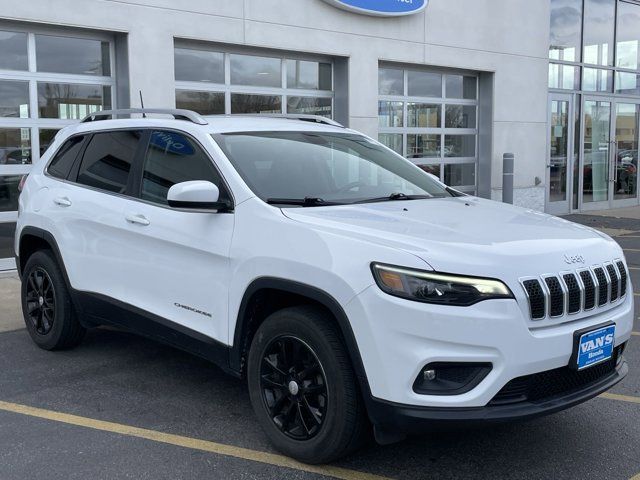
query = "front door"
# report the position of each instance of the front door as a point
(561, 157)
(609, 176)
(624, 175)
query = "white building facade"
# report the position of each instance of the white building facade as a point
(452, 86)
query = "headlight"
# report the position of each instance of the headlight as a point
(440, 288)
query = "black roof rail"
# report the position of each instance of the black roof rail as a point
(293, 116)
(178, 114)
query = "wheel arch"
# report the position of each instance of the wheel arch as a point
(33, 239)
(297, 294)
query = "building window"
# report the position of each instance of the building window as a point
(47, 81)
(216, 82)
(594, 46)
(431, 117)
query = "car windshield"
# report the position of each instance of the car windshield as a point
(323, 168)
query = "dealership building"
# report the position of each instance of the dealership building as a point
(452, 85)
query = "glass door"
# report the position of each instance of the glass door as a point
(560, 158)
(596, 154)
(624, 172)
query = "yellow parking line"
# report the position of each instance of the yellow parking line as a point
(186, 442)
(620, 398)
(637, 334)
(637, 477)
(631, 249)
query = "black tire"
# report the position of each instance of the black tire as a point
(46, 305)
(344, 425)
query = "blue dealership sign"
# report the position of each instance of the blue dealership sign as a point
(382, 8)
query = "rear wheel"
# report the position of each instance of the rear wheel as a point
(46, 305)
(303, 388)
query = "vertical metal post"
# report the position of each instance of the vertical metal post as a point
(508, 162)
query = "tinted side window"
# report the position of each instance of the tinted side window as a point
(107, 160)
(63, 162)
(174, 158)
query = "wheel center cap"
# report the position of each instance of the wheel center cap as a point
(293, 388)
(41, 301)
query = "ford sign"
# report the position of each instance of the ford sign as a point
(381, 8)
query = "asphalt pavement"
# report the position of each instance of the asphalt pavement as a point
(120, 406)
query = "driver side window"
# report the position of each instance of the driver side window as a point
(172, 157)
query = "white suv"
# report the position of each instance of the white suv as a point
(348, 286)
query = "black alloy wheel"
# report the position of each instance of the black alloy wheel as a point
(40, 300)
(294, 387)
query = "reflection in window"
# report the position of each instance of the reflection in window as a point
(9, 193)
(596, 80)
(256, 71)
(15, 146)
(14, 99)
(198, 65)
(433, 169)
(423, 115)
(391, 140)
(71, 101)
(564, 76)
(308, 75)
(310, 106)
(599, 28)
(459, 86)
(460, 174)
(459, 146)
(13, 51)
(628, 83)
(46, 135)
(246, 103)
(173, 158)
(61, 165)
(107, 160)
(460, 116)
(424, 84)
(628, 36)
(566, 29)
(423, 145)
(205, 103)
(390, 81)
(78, 56)
(390, 114)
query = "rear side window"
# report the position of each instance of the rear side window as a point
(107, 160)
(172, 157)
(61, 165)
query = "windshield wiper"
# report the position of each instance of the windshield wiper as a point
(395, 196)
(303, 202)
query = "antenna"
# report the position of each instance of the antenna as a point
(144, 115)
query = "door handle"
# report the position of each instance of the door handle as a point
(137, 219)
(62, 201)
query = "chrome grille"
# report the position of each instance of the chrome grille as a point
(603, 286)
(537, 299)
(575, 291)
(589, 289)
(623, 278)
(556, 296)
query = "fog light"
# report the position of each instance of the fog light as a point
(450, 378)
(429, 375)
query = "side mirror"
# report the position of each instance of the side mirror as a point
(196, 195)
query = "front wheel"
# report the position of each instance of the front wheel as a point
(303, 388)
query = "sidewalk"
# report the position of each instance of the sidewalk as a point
(10, 310)
(621, 221)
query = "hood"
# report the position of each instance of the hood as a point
(468, 235)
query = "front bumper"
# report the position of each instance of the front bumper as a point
(397, 338)
(412, 419)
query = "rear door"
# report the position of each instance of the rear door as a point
(178, 261)
(87, 211)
